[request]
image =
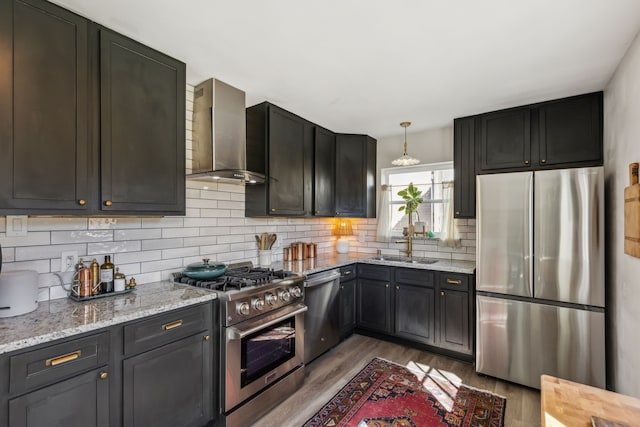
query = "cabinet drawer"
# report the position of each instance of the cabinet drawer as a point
(375, 272)
(165, 328)
(41, 367)
(415, 276)
(347, 272)
(454, 281)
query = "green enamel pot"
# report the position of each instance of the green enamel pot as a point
(205, 270)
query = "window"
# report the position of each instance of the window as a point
(429, 178)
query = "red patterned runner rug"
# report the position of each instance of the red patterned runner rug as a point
(385, 394)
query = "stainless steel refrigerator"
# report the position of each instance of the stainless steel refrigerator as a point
(540, 276)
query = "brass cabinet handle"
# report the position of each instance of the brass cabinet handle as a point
(108, 203)
(341, 287)
(454, 281)
(457, 213)
(441, 293)
(172, 325)
(82, 202)
(317, 212)
(337, 213)
(526, 162)
(273, 209)
(207, 337)
(54, 361)
(386, 285)
(397, 287)
(346, 273)
(543, 161)
(104, 375)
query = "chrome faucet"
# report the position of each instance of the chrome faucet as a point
(408, 241)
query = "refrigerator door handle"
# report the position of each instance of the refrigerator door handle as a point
(529, 233)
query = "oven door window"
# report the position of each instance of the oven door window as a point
(266, 349)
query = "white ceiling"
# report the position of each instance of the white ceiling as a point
(366, 65)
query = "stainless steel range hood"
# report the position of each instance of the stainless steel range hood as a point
(220, 135)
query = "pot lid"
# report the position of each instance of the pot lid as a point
(205, 265)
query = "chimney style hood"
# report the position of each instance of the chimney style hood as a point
(220, 135)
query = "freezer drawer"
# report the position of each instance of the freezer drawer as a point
(519, 341)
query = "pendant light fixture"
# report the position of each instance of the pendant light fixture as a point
(405, 160)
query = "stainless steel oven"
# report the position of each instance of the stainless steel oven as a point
(260, 352)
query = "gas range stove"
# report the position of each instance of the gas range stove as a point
(247, 292)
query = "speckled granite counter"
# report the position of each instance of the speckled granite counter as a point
(62, 318)
(326, 262)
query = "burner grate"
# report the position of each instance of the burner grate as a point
(234, 279)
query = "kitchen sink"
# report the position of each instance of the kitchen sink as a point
(409, 260)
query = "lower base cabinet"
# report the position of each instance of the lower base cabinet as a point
(347, 298)
(82, 400)
(422, 306)
(169, 386)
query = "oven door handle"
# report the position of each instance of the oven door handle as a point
(234, 333)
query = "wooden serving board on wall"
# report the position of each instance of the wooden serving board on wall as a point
(632, 220)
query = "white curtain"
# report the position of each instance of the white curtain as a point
(383, 233)
(450, 236)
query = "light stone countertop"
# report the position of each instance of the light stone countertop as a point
(61, 318)
(327, 262)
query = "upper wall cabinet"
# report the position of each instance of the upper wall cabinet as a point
(279, 145)
(90, 122)
(464, 171)
(355, 176)
(142, 128)
(324, 172)
(43, 109)
(562, 133)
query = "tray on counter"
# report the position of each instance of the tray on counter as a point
(110, 294)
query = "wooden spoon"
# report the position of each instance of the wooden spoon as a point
(272, 240)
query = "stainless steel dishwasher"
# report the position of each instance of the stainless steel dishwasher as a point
(321, 321)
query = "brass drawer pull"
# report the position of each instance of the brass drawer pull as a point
(207, 337)
(346, 273)
(108, 203)
(104, 375)
(82, 202)
(172, 325)
(441, 293)
(454, 281)
(54, 361)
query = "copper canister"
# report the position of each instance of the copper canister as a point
(312, 250)
(287, 254)
(84, 277)
(300, 252)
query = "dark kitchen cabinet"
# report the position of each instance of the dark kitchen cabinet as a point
(43, 109)
(570, 131)
(355, 176)
(456, 310)
(374, 305)
(324, 183)
(279, 145)
(464, 168)
(414, 305)
(90, 122)
(169, 386)
(168, 375)
(142, 128)
(505, 139)
(79, 401)
(347, 299)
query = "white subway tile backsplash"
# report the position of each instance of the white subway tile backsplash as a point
(161, 265)
(168, 233)
(200, 241)
(8, 254)
(107, 248)
(200, 222)
(213, 231)
(202, 204)
(215, 213)
(31, 239)
(138, 234)
(166, 222)
(143, 256)
(50, 223)
(111, 223)
(162, 244)
(46, 252)
(41, 266)
(180, 253)
(89, 236)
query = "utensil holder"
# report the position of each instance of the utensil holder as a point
(264, 257)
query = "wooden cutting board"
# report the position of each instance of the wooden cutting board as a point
(632, 214)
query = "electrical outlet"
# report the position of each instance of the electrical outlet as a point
(68, 260)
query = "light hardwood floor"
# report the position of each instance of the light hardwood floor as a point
(331, 371)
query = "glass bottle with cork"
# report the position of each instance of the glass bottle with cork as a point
(106, 275)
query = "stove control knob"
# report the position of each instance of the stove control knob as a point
(270, 298)
(258, 304)
(296, 292)
(285, 296)
(244, 309)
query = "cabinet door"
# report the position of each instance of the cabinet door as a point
(455, 333)
(142, 128)
(414, 313)
(324, 173)
(169, 386)
(571, 131)
(374, 305)
(43, 108)
(347, 307)
(464, 168)
(79, 401)
(286, 163)
(505, 140)
(355, 176)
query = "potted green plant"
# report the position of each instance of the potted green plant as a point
(412, 200)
